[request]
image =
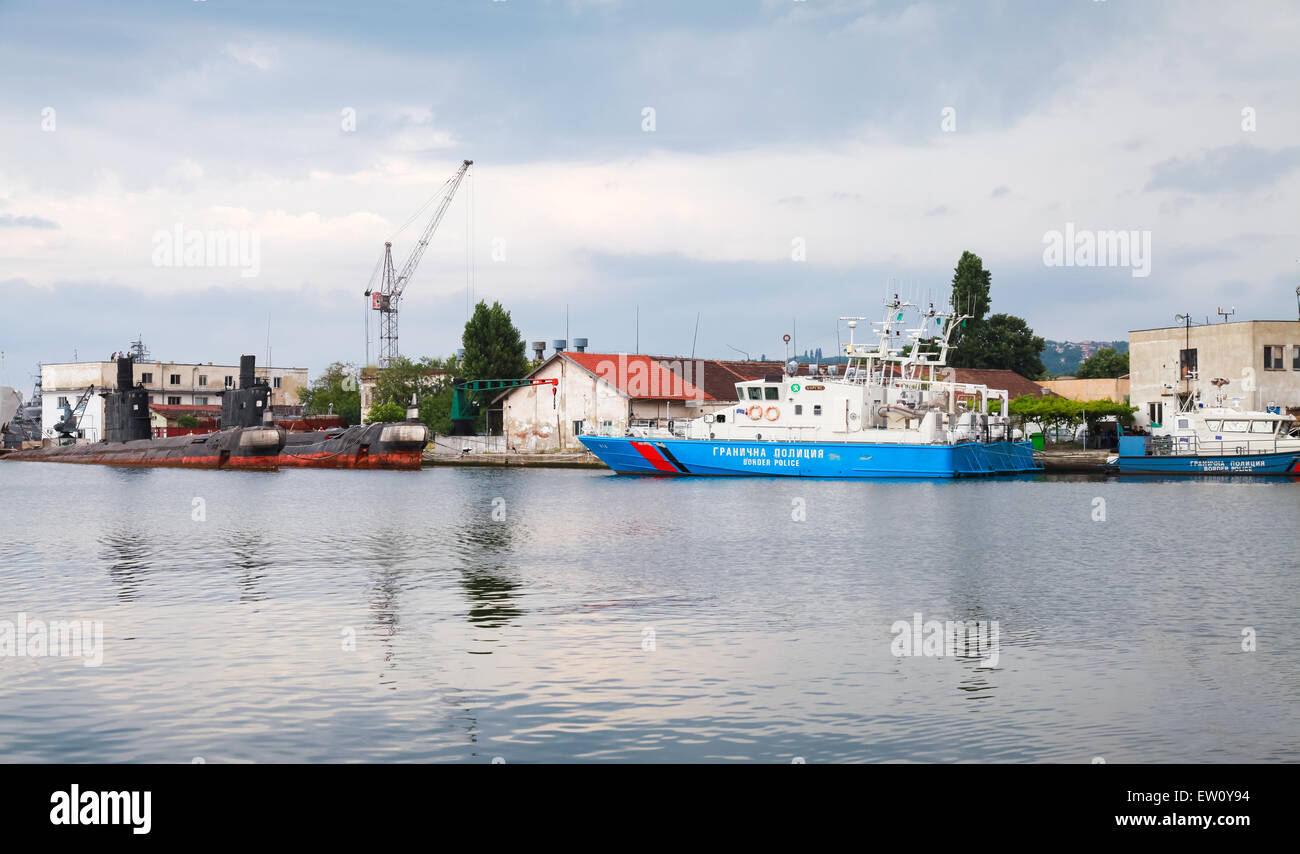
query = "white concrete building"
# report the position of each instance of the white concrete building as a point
(1252, 363)
(608, 393)
(169, 384)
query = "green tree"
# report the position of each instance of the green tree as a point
(386, 411)
(1104, 363)
(1004, 341)
(494, 348)
(187, 420)
(427, 379)
(971, 284)
(336, 388)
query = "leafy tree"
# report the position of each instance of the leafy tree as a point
(386, 411)
(970, 295)
(187, 420)
(428, 379)
(1000, 341)
(1104, 363)
(336, 387)
(494, 350)
(494, 347)
(1003, 341)
(1062, 414)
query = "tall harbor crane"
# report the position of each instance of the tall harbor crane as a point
(386, 298)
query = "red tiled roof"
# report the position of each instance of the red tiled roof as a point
(639, 377)
(999, 379)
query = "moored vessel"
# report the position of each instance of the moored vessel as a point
(895, 413)
(247, 441)
(1214, 440)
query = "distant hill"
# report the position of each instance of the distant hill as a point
(1062, 358)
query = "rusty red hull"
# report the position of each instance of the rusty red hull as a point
(370, 446)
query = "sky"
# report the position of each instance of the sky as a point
(676, 177)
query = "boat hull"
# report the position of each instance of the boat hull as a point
(1286, 463)
(238, 448)
(711, 458)
(372, 446)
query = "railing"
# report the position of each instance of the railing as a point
(1191, 446)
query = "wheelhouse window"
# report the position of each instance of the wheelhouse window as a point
(798, 410)
(817, 409)
(754, 392)
(1273, 357)
(1235, 426)
(1214, 426)
(1263, 427)
(1184, 424)
(772, 392)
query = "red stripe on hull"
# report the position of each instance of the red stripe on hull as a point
(653, 457)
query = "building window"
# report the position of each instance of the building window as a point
(817, 409)
(173, 401)
(1187, 364)
(1295, 358)
(203, 379)
(146, 378)
(230, 382)
(63, 401)
(1273, 357)
(200, 401)
(577, 428)
(798, 410)
(1156, 413)
(275, 383)
(772, 393)
(176, 379)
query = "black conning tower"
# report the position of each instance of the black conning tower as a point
(244, 406)
(126, 408)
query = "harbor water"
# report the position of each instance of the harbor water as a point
(542, 615)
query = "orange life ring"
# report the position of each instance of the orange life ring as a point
(756, 412)
(773, 413)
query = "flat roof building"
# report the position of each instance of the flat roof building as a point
(1251, 364)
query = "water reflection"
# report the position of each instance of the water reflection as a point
(250, 558)
(493, 596)
(128, 554)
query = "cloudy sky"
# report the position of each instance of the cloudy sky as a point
(756, 163)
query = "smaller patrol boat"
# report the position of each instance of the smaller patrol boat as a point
(1214, 440)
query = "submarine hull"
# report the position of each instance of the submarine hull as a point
(369, 446)
(248, 448)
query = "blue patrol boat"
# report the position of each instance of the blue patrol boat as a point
(1214, 440)
(895, 413)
